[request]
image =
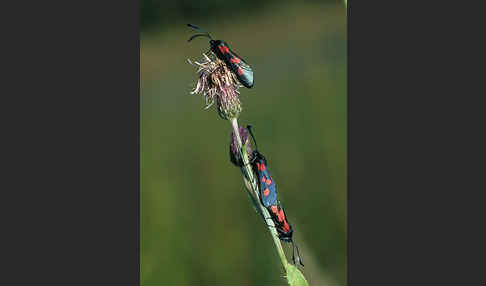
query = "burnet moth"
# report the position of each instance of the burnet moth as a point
(236, 64)
(268, 197)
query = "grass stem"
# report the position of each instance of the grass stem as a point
(251, 184)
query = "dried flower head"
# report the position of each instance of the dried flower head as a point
(217, 82)
(234, 152)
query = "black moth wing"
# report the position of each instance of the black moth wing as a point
(242, 70)
(238, 66)
(283, 227)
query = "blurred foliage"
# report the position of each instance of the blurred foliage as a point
(157, 14)
(198, 226)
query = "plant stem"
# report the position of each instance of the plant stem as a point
(251, 185)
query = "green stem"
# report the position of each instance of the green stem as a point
(251, 185)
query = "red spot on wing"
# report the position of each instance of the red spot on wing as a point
(240, 71)
(266, 192)
(263, 180)
(262, 165)
(274, 209)
(281, 216)
(286, 227)
(223, 49)
(259, 167)
(269, 181)
(235, 60)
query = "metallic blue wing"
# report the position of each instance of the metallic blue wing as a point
(268, 189)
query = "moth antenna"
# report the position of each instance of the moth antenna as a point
(293, 252)
(198, 35)
(195, 27)
(298, 253)
(200, 29)
(251, 133)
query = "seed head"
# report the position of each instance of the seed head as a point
(234, 151)
(217, 83)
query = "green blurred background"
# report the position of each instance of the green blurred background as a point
(198, 226)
